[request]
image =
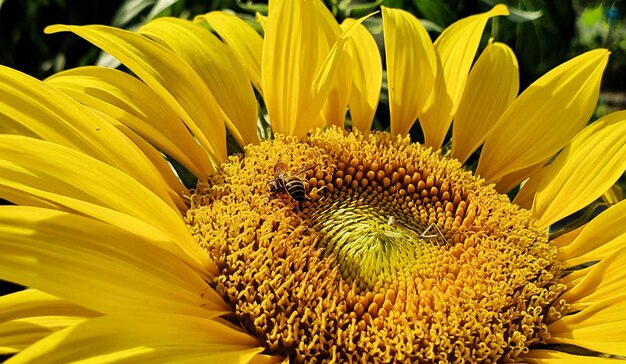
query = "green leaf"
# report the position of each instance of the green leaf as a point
(359, 10)
(518, 15)
(435, 11)
(251, 7)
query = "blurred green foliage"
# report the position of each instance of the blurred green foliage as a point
(23, 45)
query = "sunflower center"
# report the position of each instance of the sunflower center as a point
(394, 254)
(372, 243)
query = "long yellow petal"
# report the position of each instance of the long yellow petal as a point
(544, 118)
(134, 104)
(98, 266)
(241, 38)
(144, 338)
(30, 315)
(30, 107)
(327, 78)
(584, 170)
(526, 194)
(39, 173)
(170, 77)
(217, 65)
(411, 67)
(299, 64)
(175, 189)
(509, 181)
(600, 327)
(456, 48)
(367, 77)
(541, 356)
(492, 85)
(603, 280)
(291, 51)
(336, 103)
(601, 237)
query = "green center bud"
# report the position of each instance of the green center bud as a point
(373, 247)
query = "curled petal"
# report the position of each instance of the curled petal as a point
(456, 48)
(367, 76)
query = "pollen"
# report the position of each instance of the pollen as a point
(397, 255)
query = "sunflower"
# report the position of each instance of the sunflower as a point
(320, 243)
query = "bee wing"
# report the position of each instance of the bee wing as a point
(307, 168)
(279, 167)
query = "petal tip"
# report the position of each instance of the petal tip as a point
(50, 29)
(500, 9)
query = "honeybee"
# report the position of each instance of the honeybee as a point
(284, 181)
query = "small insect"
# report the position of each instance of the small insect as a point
(284, 181)
(425, 235)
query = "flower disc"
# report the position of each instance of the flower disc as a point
(398, 255)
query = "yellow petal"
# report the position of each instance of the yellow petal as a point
(491, 86)
(509, 181)
(567, 238)
(175, 189)
(325, 79)
(367, 77)
(544, 118)
(600, 327)
(411, 67)
(456, 48)
(241, 38)
(299, 64)
(217, 65)
(336, 103)
(98, 266)
(526, 194)
(137, 106)
(574, 278)
(291, 52)
(584, 170)
(144, 338)
(171, 78)
(39, 173)
(540, 356)
(601, 237)
(30, 315)
(613, 195)
(30, 107)
(602, 281)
